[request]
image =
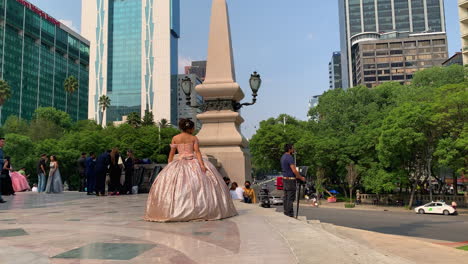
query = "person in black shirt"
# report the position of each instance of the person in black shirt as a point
(129, 164)
(81, 162)
(91, 173)
(102, 167)
(290, 175)
(41, 173)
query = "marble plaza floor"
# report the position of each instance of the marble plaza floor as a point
(73, 228)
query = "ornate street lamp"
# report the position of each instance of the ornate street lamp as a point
(219, 104)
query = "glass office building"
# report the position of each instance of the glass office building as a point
(37, 54)
(362, 20)
(134, 55)
(334, 71)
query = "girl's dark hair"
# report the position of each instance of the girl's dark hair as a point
(234, 186)
(8, 158)
(55, 157)
(186, 124)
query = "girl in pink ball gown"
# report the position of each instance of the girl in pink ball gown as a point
(189, 188)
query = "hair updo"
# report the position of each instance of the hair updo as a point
(186, 124)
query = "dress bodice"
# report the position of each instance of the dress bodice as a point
(184, 149)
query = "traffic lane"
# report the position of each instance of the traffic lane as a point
(440, 227)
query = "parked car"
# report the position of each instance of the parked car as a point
(276, 200)
(436, 208)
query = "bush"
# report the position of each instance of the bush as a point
(349, 205)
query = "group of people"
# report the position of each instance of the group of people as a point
(52, 183)
(246, 194)
(94, 170)
(10, 181)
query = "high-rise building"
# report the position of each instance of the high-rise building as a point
(463, 15)
(362, 20)
(334, 71)
(185, 111)
(134, 54)
(37, 54)
(198, 68)
(457, 59)
(396, 57)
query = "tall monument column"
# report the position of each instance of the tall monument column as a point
(220, 135)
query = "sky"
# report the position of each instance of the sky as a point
(290, 45)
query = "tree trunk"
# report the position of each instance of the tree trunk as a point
(413, 190)
(351, 195)
(102, 117)
(1, 108)
(455, 184)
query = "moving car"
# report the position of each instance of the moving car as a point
(435, 208)
(276, 200)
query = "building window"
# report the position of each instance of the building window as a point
(410, 44)
(383, 65)
(398, 77)
(396, 52)
(395, 45)
(384, 78)
(439, 49)
(424, 43)
(368, 54)
(438, 42)
(381, 46)
(382, 52)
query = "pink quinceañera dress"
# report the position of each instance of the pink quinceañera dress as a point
(19, 182)
(182, 192)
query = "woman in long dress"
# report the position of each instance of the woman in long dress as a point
(189, 188)
(19, 181)
(7, 185)
(54, 183)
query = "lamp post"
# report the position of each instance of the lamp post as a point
(222, 104)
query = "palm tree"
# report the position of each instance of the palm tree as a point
(164, 123)
(134, 119)
(104, 103)
(5, 94)
(70, 85)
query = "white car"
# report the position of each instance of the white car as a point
(276, 200)
(435, 208)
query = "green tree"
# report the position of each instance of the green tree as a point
(16, 125)
(5, 94)
(70, 85)
(134, 119)
(164, 123)
(148, 119)
(104, 103)
(58, 117)
(439, 76)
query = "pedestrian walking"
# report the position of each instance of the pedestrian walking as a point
(290, 176)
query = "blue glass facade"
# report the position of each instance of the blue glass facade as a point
(124, 58)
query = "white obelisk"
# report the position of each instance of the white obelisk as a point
(220, 135)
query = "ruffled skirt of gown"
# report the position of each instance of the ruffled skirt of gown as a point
(182, 192)
(19, 182)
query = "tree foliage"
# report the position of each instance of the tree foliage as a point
(52, 132)
(387, 137)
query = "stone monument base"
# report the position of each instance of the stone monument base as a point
(233, 162)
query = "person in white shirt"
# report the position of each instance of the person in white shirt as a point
(237, 193)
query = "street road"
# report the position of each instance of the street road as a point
(448, 228)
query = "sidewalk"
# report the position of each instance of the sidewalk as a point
(71, 228)
(369, 207)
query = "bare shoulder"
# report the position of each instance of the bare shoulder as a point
(176, 139)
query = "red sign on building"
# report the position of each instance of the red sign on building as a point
(38, 11)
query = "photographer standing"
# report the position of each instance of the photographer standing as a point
(290, 175)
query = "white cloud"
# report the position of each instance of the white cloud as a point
(184, 61)
(69, 24)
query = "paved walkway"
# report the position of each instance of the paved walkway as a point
(73, 228)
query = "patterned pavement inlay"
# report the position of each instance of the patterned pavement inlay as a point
(13, 232)
(109, 251)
